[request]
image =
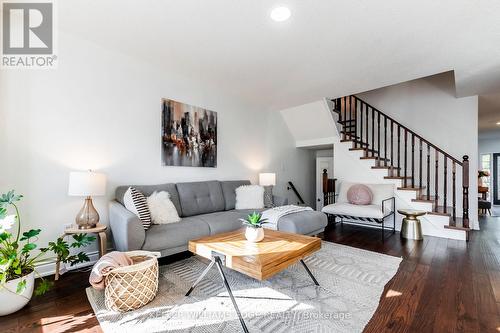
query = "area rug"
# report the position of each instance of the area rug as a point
(352, 281)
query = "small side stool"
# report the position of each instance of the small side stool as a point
(411, 228)
(99, 229)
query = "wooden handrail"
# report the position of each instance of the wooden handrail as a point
(292, 187)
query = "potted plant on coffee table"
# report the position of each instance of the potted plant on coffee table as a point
(19, 255)
(254, 231)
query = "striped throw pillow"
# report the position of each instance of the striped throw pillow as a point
(137, 203)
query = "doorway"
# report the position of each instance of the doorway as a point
(321, 164)
(496, 178)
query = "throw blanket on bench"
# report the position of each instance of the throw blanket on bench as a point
(274, 214)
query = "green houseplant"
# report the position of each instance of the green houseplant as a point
(19, 255)
(254, 232)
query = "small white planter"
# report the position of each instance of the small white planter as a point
(254, 235)
(11, 302)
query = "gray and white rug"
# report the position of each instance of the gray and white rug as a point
(352, 281)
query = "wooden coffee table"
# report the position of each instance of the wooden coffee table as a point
(275, 253)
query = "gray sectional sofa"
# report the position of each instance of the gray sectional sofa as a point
(206, 208)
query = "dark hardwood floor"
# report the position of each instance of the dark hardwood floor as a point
(442, 286)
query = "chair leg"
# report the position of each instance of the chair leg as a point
(489, 211)
(383, 239)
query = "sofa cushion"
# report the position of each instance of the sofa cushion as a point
(229, 191)
(345, 208)
(147, 190)
(304, 223)
(165, 236)
(219, 222)
(200, 197)
(380, 192)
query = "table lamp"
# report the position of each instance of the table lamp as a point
(267, 180)
(87, 184)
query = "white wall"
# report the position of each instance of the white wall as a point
(101, 110)
(489, 145)
(289, 162)
(429, 107)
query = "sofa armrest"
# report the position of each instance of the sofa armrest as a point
(126, 228)
(279, 201)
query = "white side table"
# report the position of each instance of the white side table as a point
(99, 229)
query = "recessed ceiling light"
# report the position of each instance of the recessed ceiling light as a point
(280, 14)
(498, 122)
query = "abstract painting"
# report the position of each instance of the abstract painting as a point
(189, 135)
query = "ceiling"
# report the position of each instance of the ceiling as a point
(327, 48)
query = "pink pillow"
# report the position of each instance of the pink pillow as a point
(359, 194)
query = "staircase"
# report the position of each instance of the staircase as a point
(431, 179)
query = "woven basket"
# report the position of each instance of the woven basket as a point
(131, 287)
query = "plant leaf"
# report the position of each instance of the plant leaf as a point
(21, 286)
(28, 247)
(29, 234)
(4, 236)
(43, 287)
(82, 240)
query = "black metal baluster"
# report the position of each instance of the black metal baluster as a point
(454, 185)
(366, 115)
(420, 165)
(361, 125)
(413, 160)
(392, 147)
(428, 172)
(399, 150)
(373, 132)
(406, 158)
(436, 185)
(445, 185)
(355, 122)
(378, 135)
(385, 141)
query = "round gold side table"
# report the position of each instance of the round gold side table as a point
(411, 228)
(99, 229)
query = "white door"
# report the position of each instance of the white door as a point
(321, 164)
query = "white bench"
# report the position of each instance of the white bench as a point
(376, 214)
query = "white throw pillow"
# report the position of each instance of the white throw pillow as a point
(162, 209)
(249, 197)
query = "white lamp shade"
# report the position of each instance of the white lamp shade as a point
(267, 179)
(86, 183)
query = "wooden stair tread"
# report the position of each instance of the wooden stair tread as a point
(424, 197)
(409, 188)
(396, 177)
(350, 134)
(374, 158)
(346, 121)
(457, 225)
(440, 211)
(352, 140)
(384, 167)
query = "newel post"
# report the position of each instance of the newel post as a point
(325, 187)
(465, 186)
